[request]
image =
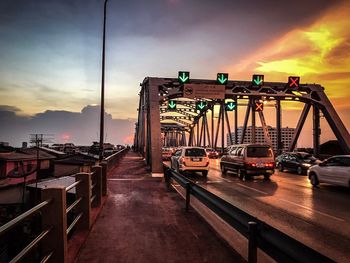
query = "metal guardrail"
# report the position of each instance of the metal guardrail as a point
(273, 242)
(14, 222)
(115, 157)
(72, 206)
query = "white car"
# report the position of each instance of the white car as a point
(335, 170)
(192, 159)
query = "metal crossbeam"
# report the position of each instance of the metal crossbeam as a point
(155, 93)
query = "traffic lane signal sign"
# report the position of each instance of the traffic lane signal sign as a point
(172, 105)
(258, 80)
(184, 76)
(201, 105)
(222, 78)
(230, 106)
(259, 106)
(293, 82)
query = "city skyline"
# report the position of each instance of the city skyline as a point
(51, 52)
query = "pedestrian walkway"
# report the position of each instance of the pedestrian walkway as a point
(143, 222)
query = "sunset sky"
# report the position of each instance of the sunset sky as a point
(50, 52)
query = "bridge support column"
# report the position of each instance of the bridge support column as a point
(316, 130)
(236, 123)
(212, 127)
(204, 129)
(299, 127)
(153, 127)
(247, 113)
(223, 126)
(253, 140)
(278, 127)
(228, 127)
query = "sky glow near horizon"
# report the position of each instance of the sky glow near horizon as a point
(51, 51)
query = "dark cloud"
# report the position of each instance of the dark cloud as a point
(8, 108)
(162, 19)
(80, 127)
(340, 54)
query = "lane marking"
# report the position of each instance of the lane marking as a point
(253, 189)
(313, 210)
(207, 182)
(227, 180)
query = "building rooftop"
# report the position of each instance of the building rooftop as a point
(25, 154)
(78, 158)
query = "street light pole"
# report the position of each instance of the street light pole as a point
(103, 83)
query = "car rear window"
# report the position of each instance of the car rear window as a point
(345, 161)
(195, 152)
(259, 152)
(308, 158)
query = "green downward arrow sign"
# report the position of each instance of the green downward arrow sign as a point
(222, 79)
(258, 80)
(183, 77)
(231, 105)
(201, 105)
(172, 105)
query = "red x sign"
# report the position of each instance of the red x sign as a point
(293, 82)
(259, 106)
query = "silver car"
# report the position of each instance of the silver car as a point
(190, 159)
(335, 170)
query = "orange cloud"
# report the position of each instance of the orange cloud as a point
(128, 139)
(319, 53)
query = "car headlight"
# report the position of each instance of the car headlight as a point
(306, 164)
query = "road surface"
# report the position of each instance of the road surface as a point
(318, 217)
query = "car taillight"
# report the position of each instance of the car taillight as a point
(251, 164)
(270, 164)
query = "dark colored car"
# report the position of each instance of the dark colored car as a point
(247, 160)
(298, 162)
(212, 153)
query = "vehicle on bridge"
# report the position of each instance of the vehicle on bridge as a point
(212, 153)
(334, 170)
(298, 162)
(190, 159)
(248, 160)
(167, 152)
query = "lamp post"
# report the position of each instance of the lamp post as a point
(103, 83)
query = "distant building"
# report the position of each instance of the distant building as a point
(4, 144)
(286, 136)
(75, 163)
(19, 165)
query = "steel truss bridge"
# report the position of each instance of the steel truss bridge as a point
(157, 126)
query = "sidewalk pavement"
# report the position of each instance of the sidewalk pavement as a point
(143, 222)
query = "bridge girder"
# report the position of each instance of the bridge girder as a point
(160, 90)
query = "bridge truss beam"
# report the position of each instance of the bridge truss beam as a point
(154, 119)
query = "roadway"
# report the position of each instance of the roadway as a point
(318, 217)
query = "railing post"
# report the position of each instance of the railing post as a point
(167, 176)
(54, 217)
(188, 195)
(98, 187)
(83, 191)
(104, 178)
(252, 242)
